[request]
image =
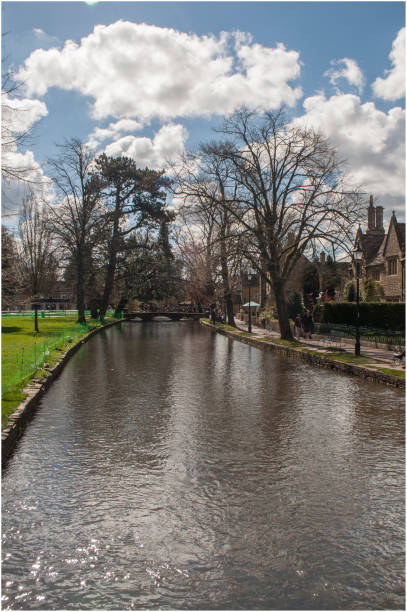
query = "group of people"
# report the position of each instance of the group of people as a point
(304, 325)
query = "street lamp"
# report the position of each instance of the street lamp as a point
(250, 274)
(357, 258)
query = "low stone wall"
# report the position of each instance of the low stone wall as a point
(19, 419)
(315, 360)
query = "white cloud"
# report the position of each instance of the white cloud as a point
(144, 71)
(43, 36)
(371, 141)
(346, 69)
(112, 131)
(18, 116)
(33, 178)
(392, 86)
(166, 146)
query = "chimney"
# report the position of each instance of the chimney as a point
(371, 215)
(379, 218)
(322, 257)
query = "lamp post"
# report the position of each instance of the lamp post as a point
(357, 258)
(250, 274)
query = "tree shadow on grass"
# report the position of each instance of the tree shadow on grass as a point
(10, 330)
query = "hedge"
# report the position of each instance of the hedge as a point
(379, 315)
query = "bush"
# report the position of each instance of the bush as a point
(379, 315)
(372, 291)
(349, 292)
(267, 315)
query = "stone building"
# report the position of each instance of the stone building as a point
(383, 253)
(262, 292)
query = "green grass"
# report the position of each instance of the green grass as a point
(349, 358)
(399, 373)
(227, 327)
(24, 351)
(289, 343)
(10, 402)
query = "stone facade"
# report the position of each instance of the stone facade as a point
(383, 253)
(265, 297)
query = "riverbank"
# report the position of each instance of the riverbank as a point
(34, 389)
(318, 354)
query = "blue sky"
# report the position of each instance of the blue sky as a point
(158, 76)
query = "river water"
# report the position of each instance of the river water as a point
(172, 468)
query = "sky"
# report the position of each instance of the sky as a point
(151, 80)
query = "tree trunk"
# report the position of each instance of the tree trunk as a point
(230, 318)
(230, 315)
(80, 289)
(109, 280)
(282, 312)
(263, 284)
(36, 320)
(111, 265)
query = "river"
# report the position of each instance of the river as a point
(169, 467)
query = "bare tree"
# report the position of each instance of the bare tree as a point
(286, 188)
(37, 256)
(15, 133)
(217, 247)
(76, 219)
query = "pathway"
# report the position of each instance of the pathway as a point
(324, 344)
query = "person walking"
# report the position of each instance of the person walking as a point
(298, 326)
(308, 324)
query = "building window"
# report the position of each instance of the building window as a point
(392, 266)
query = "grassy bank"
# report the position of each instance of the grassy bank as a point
(27, 354)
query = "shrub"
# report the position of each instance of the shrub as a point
(380, 315)
(349, 292)
(372, 291)
(267, 315)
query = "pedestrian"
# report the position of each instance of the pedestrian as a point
(308, 324)
(298, 326)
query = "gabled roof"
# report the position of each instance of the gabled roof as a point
(370, 245)
(401, 235)
(400, 230)
(379, 259)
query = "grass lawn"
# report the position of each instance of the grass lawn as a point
(399, 373)
(349, 358)
(282, 342)
(24, 351)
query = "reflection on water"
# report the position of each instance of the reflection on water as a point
(172, 468)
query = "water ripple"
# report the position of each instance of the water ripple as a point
(170, 468)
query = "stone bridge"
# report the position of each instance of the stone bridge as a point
(174, 316)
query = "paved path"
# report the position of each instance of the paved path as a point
(325, 344)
